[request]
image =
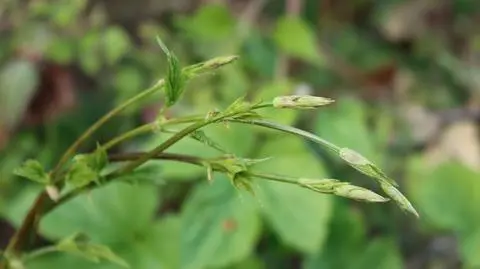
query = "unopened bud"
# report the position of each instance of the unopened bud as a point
(52, 192)
(333, 186)
(359, 194)
(399, 198)
(301, 101)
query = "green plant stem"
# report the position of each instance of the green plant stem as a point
(181, 134)
(290, 130)
(74, 147)
(273, 177)
(146, 128)
(122, 157)
(39, 252)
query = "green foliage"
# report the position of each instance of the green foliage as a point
(33, 171)
(219, 227)
(175, 81)
(293, 36)
(321, 50)
(299, 216)
(78, 244)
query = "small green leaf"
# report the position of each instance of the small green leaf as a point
(242, 182)
(218, 226)
(96, 160)
(200, 136)
(176, 80)
(80, 174)
(79, 244)
(294, 37)
(33, 170)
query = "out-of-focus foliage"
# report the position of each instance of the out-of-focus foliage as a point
(405, 77)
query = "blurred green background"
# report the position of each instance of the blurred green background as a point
(406, 77)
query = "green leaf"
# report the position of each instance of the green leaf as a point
(294, 37)
(110, 214)
(176, 80)
(116, 44)
(96, 160)
(33, 170)
(78, 244)
(200, 136)
(447, 195)
(380, 253)
(86, 168)
(299, 216)
(346, 238)
(212, 22)
(218, 226)
(157, 246)
(469, 246)
(81, 174)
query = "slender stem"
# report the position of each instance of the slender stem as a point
(291, 130)
(273, 177)
(39, 252)
(162, 156)
(159, 149)
(73, 148)
(146, 128)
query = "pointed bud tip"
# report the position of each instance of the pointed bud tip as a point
(301, 101)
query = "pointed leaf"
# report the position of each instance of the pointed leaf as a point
(33, 170)
(80, 174)
(175, 81)
(200, 136)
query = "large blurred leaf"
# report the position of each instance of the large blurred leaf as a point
(379, 254)
(294, 37)
(344, 124)
(210, 22)
(18, 80)
(259, 54)
(346, 238)
(219, 227)
(299, 216)
(110, 214)
(469, 245)
(447, 196)
(155, 247)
